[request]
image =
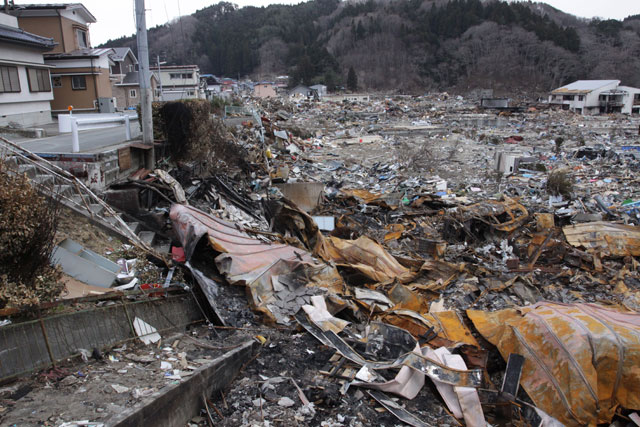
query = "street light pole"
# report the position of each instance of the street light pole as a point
(144, 80)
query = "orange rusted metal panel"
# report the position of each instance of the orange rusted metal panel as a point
(581, 360)
(604, 237)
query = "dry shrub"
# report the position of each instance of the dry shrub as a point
(27, 230)
(560, 182)
(416, 158)
(193, 135)
(158, 124)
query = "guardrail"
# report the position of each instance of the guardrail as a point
(77, 122)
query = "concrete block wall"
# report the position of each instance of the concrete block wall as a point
(31, 345)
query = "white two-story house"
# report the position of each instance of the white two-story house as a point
(177, 82)
(597, 97)
(25, 83)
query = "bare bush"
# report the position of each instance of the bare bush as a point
(560, 182)
(28, 224)
(416, 158)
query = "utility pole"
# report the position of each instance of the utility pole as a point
(145, 86)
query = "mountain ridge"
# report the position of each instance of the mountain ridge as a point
(403, 45)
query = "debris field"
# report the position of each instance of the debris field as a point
(399, 261)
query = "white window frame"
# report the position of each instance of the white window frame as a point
(82, 40)
(133, 93)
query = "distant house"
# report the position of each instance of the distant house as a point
(597, 97)
(25, 85)
(264, 90)
(352, 97)
(301, 91)
(211, 85)
(321, 90)
(123, 62)
(178, 82)
(81, 74)
(127, 91)
(228, 85)
(125, 78)
(281, 82)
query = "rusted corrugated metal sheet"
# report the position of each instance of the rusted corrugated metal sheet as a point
(489, 210)
(191, 224)
(605, 238)
(581, 360)
(364, 255)
(257, 264)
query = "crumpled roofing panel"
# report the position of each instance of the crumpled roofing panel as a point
(605, 237)
(581, 360)
(365, 255)
(249, 261)
(191, 224)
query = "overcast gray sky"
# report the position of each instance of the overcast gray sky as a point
(115, 21)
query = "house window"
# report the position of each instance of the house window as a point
(78, 82)
(10, 80)
(39, 80)
(180, 75)
(83, 42)
(581, 98)
(56, 81)
(132, 93)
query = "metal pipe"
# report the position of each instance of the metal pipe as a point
(601, 204)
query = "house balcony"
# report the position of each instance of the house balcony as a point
(611, 103)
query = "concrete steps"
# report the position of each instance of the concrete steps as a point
(30, 170)
(62, 189)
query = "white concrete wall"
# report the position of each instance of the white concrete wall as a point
(176, 95)
(16, 52)
(8, 20)
(628, 99)
(101, 62)
(76, 17)
(26, 114)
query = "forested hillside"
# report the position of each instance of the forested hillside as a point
(404, 45)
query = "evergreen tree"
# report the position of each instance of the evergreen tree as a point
(352, 80)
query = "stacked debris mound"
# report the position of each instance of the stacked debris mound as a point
(193, 134)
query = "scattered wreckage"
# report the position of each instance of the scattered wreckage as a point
(518, 300)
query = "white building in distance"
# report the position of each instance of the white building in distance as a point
(176, 82)
(590, 97)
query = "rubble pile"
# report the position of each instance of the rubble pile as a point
(401, 238)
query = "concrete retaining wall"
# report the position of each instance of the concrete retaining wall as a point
(36, 344)
(176, 404)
